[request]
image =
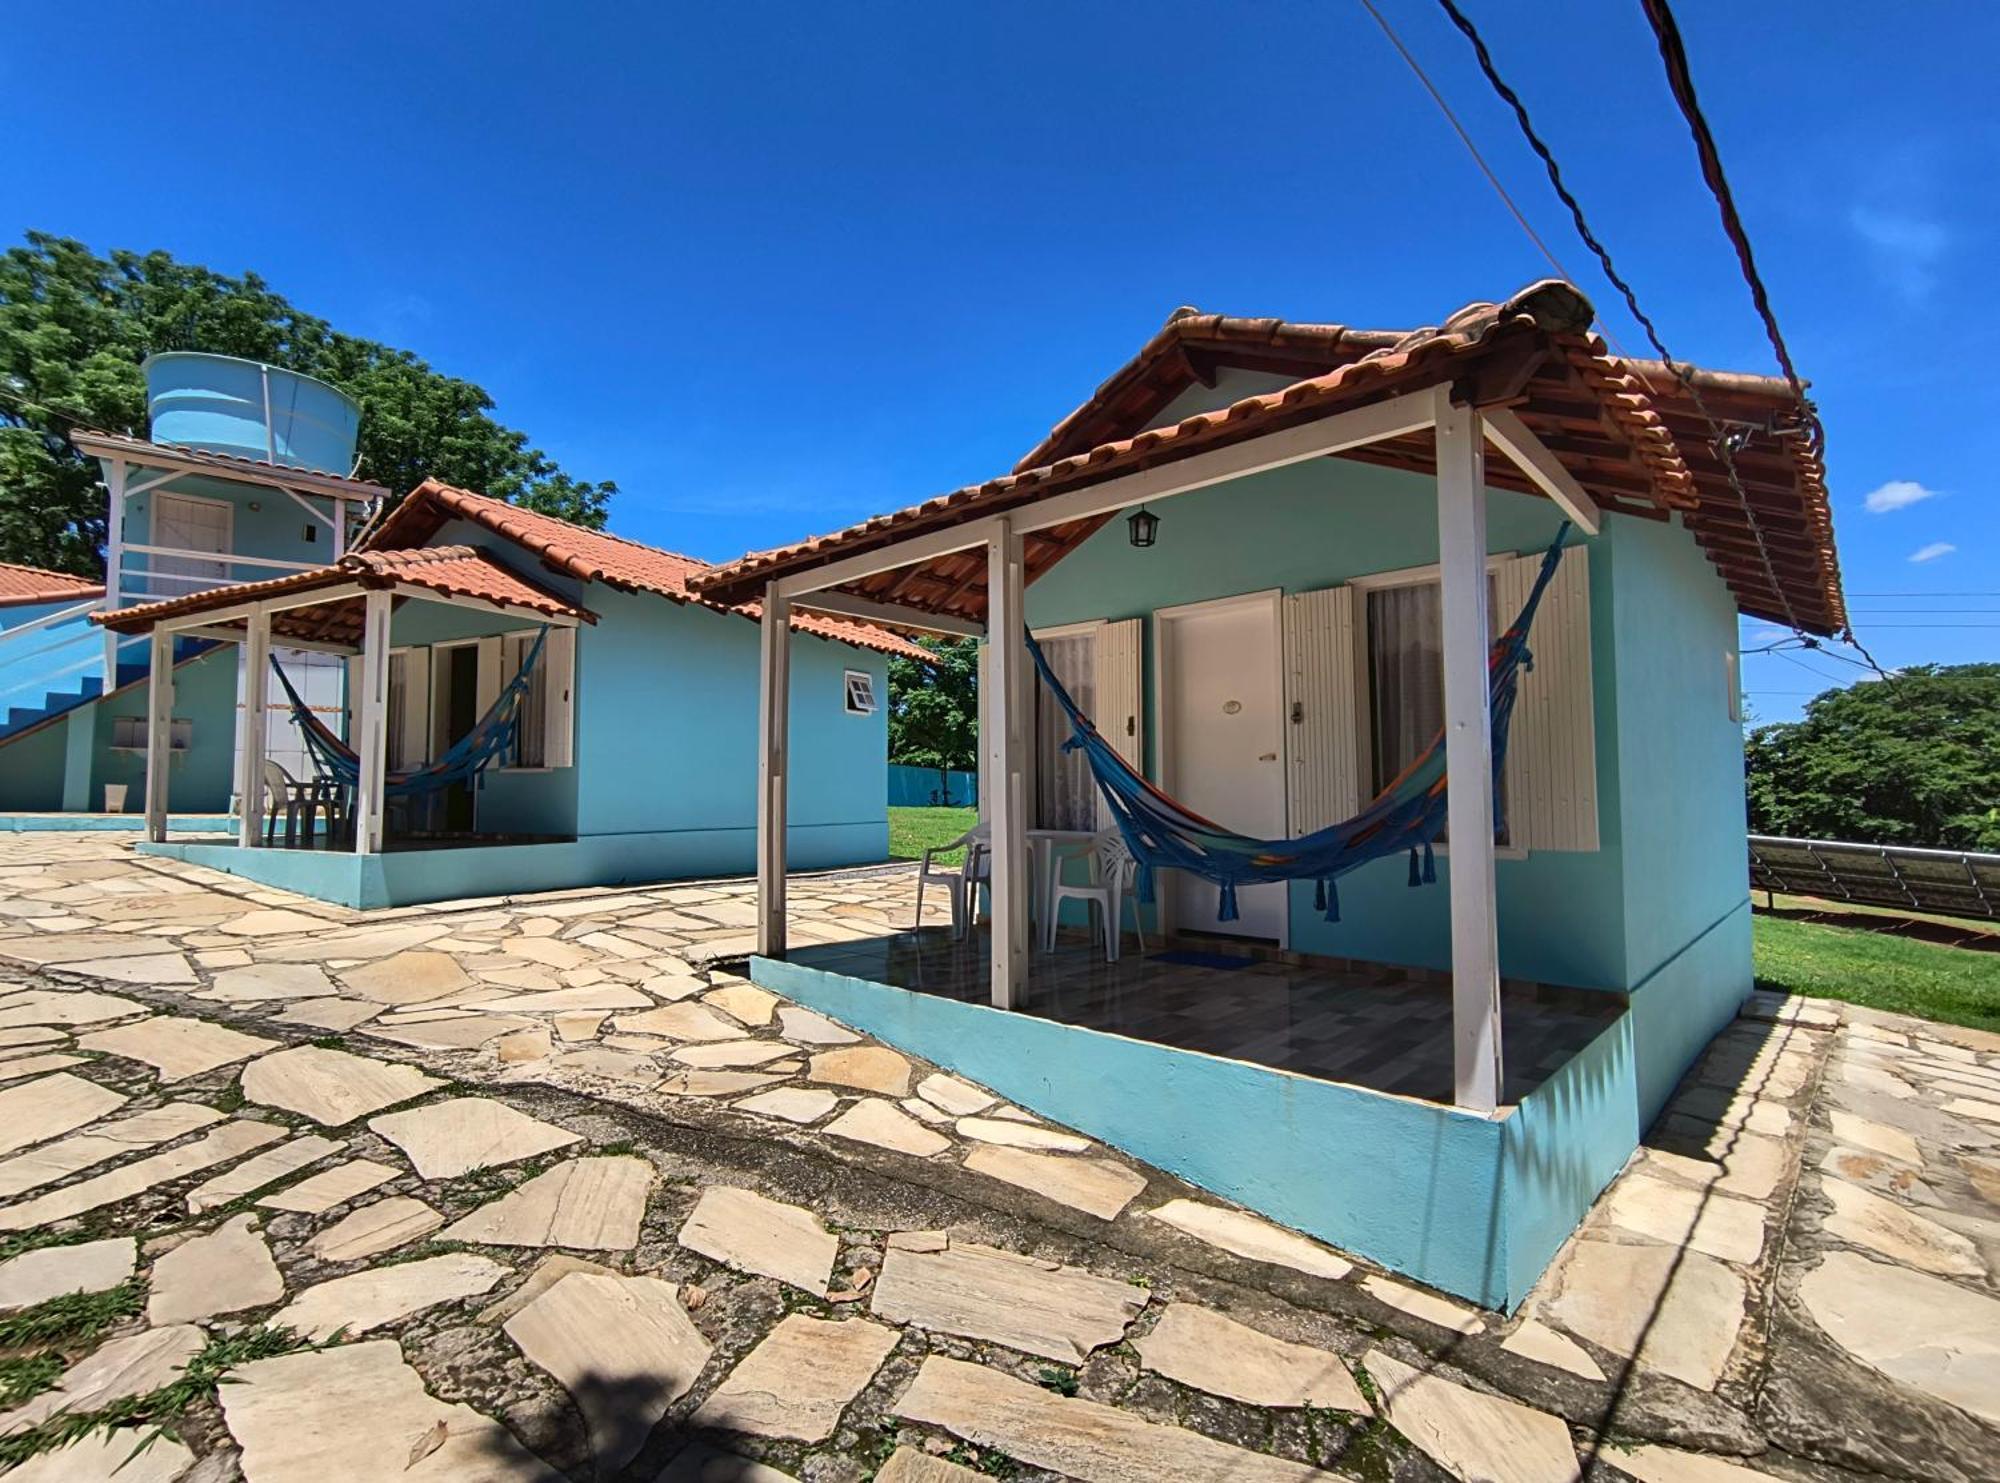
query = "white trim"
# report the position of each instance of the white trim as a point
(373, 742)
(1394, 417)
(277, 603)
(1477, 1077)
(1545, 471)
(482, 605)
(774, 695)
(160, 456)
(256, 685)
(1006, 746)
(1272, 601)
(1416, 576)
(159, 732)
(228, 558)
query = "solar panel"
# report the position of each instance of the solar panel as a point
(1954, 883)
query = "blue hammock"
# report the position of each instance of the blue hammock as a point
(492, 737)
(1409, 814)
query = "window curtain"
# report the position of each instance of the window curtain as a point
(1065, 791)
(1406, 679)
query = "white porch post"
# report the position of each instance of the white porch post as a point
(773, 727)
(1004, 745)
(250, 781)
(1468, 729)
(114, 559)
(373, 711)
(159, 731)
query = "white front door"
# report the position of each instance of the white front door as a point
(1221, 711)
(188, 523)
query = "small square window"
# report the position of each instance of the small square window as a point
(860, 693)
(312, 534)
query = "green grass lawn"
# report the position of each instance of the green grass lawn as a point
(914, 830)
(1899, 974)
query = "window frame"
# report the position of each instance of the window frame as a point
(1364, 700)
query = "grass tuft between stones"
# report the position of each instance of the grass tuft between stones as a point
(73, 1318)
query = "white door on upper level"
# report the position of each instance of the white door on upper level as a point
(1221, 697)
(188, 523)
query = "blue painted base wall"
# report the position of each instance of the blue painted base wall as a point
(408, 877)
(1472, 1206)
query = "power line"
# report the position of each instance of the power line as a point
(1718, 440)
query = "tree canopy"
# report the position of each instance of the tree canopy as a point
(74, 328)
(1914, 760)
(934, 708)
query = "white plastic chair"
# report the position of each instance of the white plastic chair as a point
(1113, 873)
(961, 881)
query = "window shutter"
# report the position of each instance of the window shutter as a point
(1552, 750)
(489, 680)
(1321, 695)
(985, 711)
(1120, 703)
(413, 746)
(559, 679)
(353, 667)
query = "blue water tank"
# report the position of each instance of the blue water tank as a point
(226, 405)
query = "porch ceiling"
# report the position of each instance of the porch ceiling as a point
(450, 573)
(1628, 432)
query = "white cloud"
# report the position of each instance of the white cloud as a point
(1933, 551)
(1897, 494)
(1907, 245)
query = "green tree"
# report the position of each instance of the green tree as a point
(1914, 760)
(74, 328)
(934, 708)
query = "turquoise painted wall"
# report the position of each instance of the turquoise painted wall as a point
(13, 615)
(1318, 524)
(275, 530)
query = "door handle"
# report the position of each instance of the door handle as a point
(1268, 757)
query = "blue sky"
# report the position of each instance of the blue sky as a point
(773, 267)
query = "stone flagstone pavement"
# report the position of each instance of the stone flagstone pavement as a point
(542, 1190)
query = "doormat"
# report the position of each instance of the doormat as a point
(1185, 958)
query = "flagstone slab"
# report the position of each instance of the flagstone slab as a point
(453, 1137)
(809, 1028)
(1428, 1306)
(1015, 1134)
(332, 1087)
(589, 1204)
(32, 1035)
(357, 1411)
(1932, 1335)
(1248, 1236)
(1974, 1107)
(731, 1054)
(979, 1292)
(46, 951)
(52, 1271)
(336, 1186)
(1078, 1438)
(623, 1347)
(1716, 1224)
(548, 952)
(134, 1365)
(576, 1025)
(261, 981)
(230, 1141)
(547, 1272)
(39, 1110)
(1675, 1311)
(678, 1022)
(697, 1082)
(871, 1120)
(1197, 1347)
(469, 1032)
(602, 997)
(796, 1383)
(1537, 1341)
(368, 1299)
(793, 1104)
(374, 1229)
(1097, 1187)
(1471, 1434)
(952, 1095)
(868, 1068)
(1736, 1163)
(176, 1047)
(329, 1013)
(126, 1454)
(753, 1006)
(58, 1008)
(412, 977)
(225, 1271)
(753, 1233)
(20, 1064)
(1864, 1218)
(150, 970)
(1652, 1464)
(266, 1168)
(273, 923)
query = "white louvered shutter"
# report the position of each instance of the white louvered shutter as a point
(1552, 750)
(1321, 693)
(412, 746)
(559, 682)
(489, 680)
(1120, 703)
(353, 700)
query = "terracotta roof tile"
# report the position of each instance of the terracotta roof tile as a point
(25, 584)
(597, 556)
(450, 571)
